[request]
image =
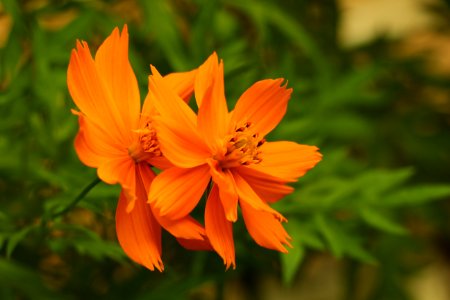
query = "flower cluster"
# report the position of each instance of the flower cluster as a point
(215, 151)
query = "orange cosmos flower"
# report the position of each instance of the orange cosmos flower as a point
(120, 141)
(230, 149)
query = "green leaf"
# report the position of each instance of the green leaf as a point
(416, 195)
(16, 238)
(291, 261)
(319, 196)
(354, 248)
(86, 242)
(160, 22)
(350, 88)
(311, 239)
(342, 242)
(99, 249)
(264, 13)
(345, 125)
(3, 239)
(330, 234)
(378, 220)
(303, 234)
(378, 181)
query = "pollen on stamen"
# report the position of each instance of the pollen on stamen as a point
(242, 148)
(146, 146)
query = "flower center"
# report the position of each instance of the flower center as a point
(147, 145)
(242, 148)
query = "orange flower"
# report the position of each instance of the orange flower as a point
(230, 149)
(120, 141)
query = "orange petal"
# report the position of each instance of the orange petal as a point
(248, 195)
(205, 78)
(168, 103)
(178, 146)
(118, 77)
(196, 245)
(213, 112)
(88, 154)
(263, 105)
(187, 230)
(175, 191)
(184, 228)
(227, 189)
(93, 145)
(86, 88)
(176, 126)
(120, 170)
(138, 233)
(182, 83)
(160, 162)
(116, 169)
(264, 228)
(287, 160)
(219, 229)
(97, 97)
(269, 188)
(184, 152)
(148, 110)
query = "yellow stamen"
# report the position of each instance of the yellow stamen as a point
(242, 148)
(146, 146)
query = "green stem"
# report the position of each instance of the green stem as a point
(77, 199)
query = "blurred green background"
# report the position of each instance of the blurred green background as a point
(371, 83)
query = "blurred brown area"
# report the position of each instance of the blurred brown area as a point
(5, 27)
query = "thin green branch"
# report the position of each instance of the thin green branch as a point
(77, 199)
